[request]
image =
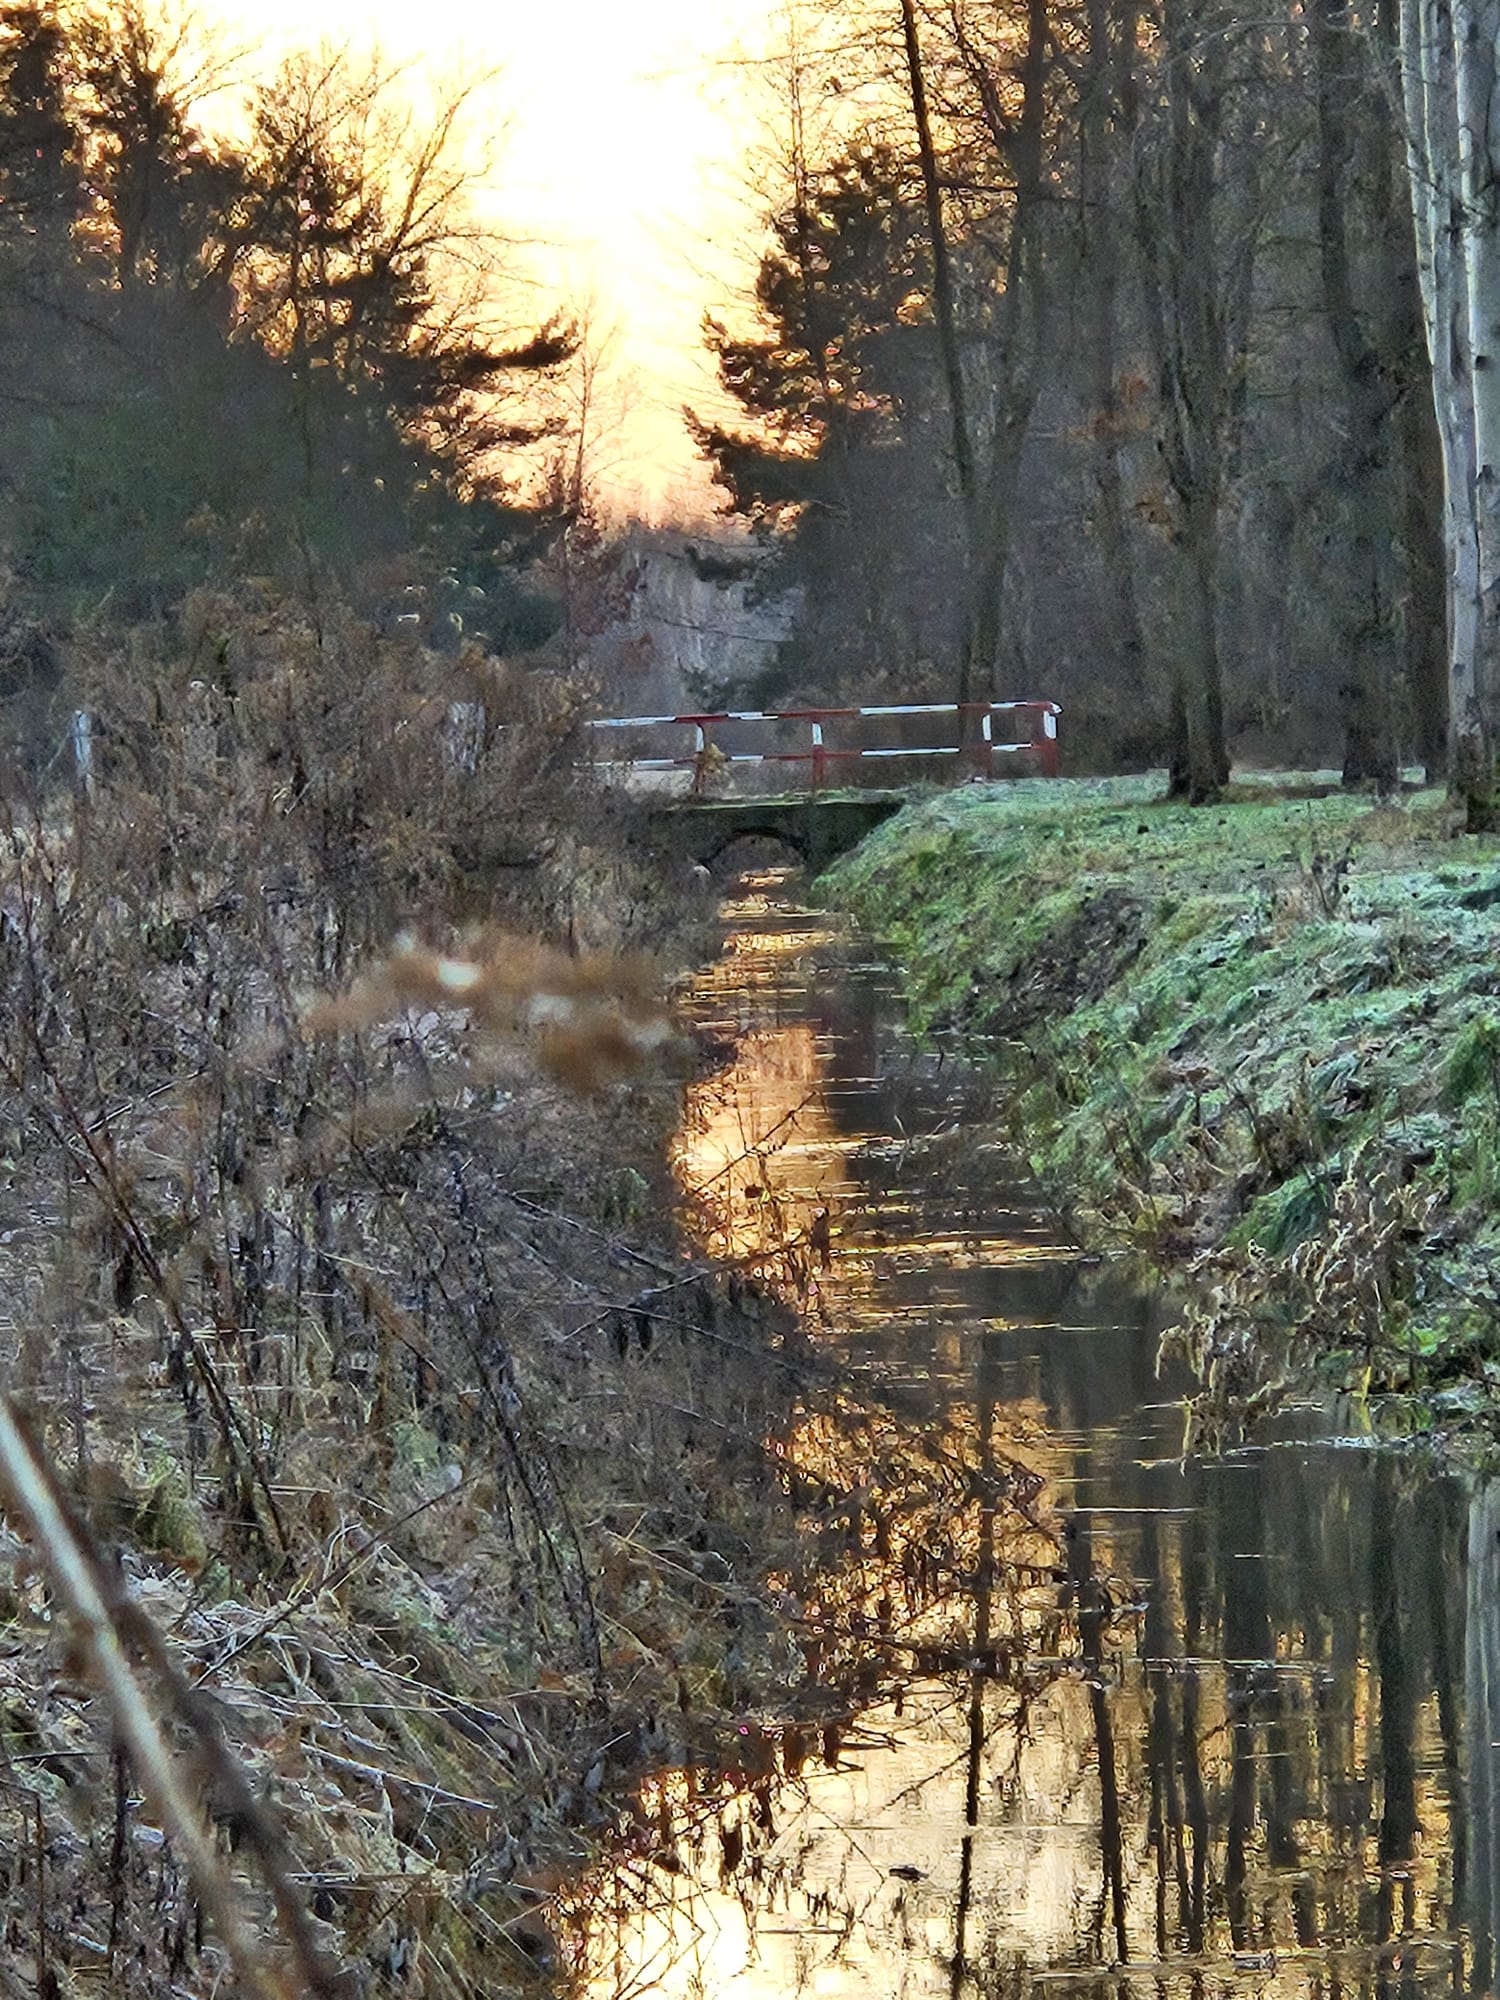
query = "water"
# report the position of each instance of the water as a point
(1138, 1723)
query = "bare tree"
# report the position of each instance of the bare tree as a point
(944, 310)
(594, 399)
(1106, 90)
(1001, 84)
(1198, 199)
(1453, 143)
(1368, 363)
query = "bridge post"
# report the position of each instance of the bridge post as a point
(1044, 737)
(701, 768)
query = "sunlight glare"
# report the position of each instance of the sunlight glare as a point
(617, 169)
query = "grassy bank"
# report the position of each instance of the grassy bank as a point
(1262, 1037)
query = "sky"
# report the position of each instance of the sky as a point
(621, 165)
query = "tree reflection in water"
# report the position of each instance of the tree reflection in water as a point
(1126, 1723)
(1482, 1692)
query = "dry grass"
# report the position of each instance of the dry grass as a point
(352, 1360)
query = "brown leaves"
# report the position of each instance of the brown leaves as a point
(593, 1020)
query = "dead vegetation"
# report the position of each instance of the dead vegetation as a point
(400, 1463)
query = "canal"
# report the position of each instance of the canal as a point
(1109, 1717)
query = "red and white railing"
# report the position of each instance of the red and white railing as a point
(977, 742)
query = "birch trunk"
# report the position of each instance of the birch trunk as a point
(1476, 30)
(1429, 61)
(1424, 557)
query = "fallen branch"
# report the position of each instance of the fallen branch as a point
(113, 1633)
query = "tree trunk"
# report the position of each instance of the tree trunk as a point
(1424, 639)
(1442, 165)
(1111, 49)
(1196, 268)
(1476, 33)
(1365, 635)
(1016, 338)
(1482, 1728)
(996, 517)
(1197, 655)
(1425, 625)
(942, 263)
(947, 329)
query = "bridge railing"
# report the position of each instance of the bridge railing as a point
(817, 738)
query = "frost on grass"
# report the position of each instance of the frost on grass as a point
(1255, 1040)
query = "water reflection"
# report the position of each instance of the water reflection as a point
(1132, 1723)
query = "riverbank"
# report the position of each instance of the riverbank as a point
(347, 1310)
(1260, 1039)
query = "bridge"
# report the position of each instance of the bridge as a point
(729, 750)
(818, 829)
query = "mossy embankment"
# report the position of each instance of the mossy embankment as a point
(1263, 1037)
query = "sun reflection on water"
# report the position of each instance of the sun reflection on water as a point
(1121, 1720)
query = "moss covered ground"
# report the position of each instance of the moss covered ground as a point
(1261, 1037)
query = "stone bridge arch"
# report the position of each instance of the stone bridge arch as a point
(818, 829)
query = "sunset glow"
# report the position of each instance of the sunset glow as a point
(619, 167)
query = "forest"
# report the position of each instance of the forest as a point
(1087, 355)
(286, 356)
(1092, 362)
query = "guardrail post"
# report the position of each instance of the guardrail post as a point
(701, 774)
(1044, 736)
(819, 756)
(987, 743)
